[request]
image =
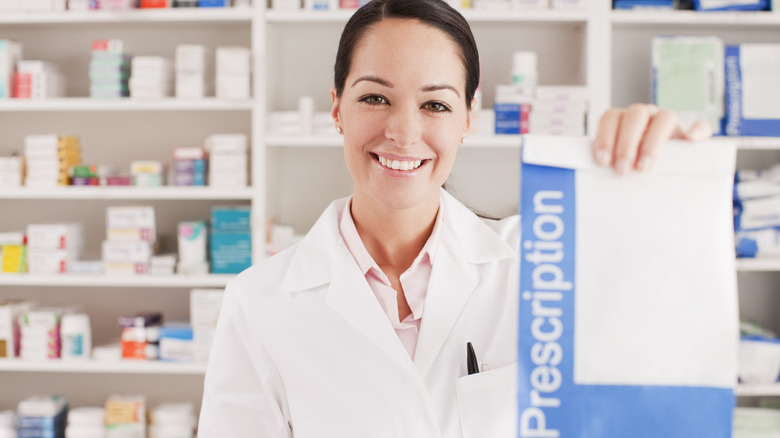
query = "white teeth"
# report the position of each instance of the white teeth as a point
(399, 165)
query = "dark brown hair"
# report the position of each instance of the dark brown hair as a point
(435, 13)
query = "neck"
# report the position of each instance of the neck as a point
(393, 237)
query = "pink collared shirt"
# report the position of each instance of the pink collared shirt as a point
(414, 280)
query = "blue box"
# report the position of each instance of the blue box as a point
(643, 4)
(231, 252)
(734, 123)
(756, 5)
(213, 3)
(234, 218)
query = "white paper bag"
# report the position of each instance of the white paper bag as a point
(628, 314)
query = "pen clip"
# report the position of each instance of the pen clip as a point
(471, 359)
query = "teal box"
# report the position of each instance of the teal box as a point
(231, 252)
(233, 219)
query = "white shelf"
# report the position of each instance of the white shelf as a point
(723, 18)
(758, 264)
(759, 143)
(116, 193)
(333, 141)
(765, 390)
(174, 15)
(126, 104)
(103, 367)
(473, 16)
(78, 280)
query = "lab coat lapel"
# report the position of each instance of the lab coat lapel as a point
(466, 242)
(351, 297)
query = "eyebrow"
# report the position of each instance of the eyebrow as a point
(388, 84)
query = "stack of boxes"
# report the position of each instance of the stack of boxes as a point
(173, 420)
(38, 80)
(559, 111)
(126, 416)
(10, 332)
(233, 73)
(231, 239)
(42, 417)
(205, 305)
(92, 175)
(512, 105)
(140, 336)
(40, 334)
(13, 253)
(190, 71)
(147, 173)
(10, 55)
(11, 171)
(131, 235)
(193, 238)
(152, 77)
(227, 160)
(189, 167)
(109, 70)
(52, 248)
(48, 159)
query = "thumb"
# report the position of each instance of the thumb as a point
(700, 131)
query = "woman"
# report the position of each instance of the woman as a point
(361, 329)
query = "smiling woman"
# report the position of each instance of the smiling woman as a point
(361, 329)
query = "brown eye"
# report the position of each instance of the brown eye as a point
(374, 99)
(437, 107)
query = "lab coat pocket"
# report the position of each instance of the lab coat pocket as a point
(488, 403)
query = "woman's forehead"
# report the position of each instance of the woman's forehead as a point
(397, 46)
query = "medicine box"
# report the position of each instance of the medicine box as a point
(49, 261)
(752, 90)
(131, 223)
(511, 118)
(233, 60)
(55, 236)
(10, 334)
(126, 252)
(233, 86)
(235, 218)
(213, 3)
(176, 343)
(10, 55)
(13, 259)
(227, 143)
(205, 305)
(190, 58)
(193, 238)
(231, 252)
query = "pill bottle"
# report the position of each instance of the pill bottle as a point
(524, 70)
(76, 336)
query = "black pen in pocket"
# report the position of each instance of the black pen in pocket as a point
(471, 359)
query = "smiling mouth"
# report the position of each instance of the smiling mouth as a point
(397, 164)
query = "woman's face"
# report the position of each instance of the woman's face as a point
(402, 112)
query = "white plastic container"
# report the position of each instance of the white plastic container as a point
(76, 336)
(759, 360)
(524, 69)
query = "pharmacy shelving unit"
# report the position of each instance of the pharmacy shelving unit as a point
(293, 177)
(631, 31)
(117, 132)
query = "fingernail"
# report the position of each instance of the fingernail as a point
(645, 163)
(603, 157)
(623, 166)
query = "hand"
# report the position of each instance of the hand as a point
(630, 138)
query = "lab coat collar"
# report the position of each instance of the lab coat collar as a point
(466, 241)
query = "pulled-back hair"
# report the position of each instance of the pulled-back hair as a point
(435, 13)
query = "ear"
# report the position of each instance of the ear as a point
(469, 114)
(335, 105)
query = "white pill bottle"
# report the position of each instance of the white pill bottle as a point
(76, 336)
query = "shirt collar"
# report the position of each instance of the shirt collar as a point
(364, 260)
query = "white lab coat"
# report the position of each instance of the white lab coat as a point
(304, 349)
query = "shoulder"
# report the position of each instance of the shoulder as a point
(508, 229)
(267, 276)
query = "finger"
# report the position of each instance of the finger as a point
(632, 129)
(604, 142)
(700, 131)
(660, 129)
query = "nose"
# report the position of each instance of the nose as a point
(404, 126)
